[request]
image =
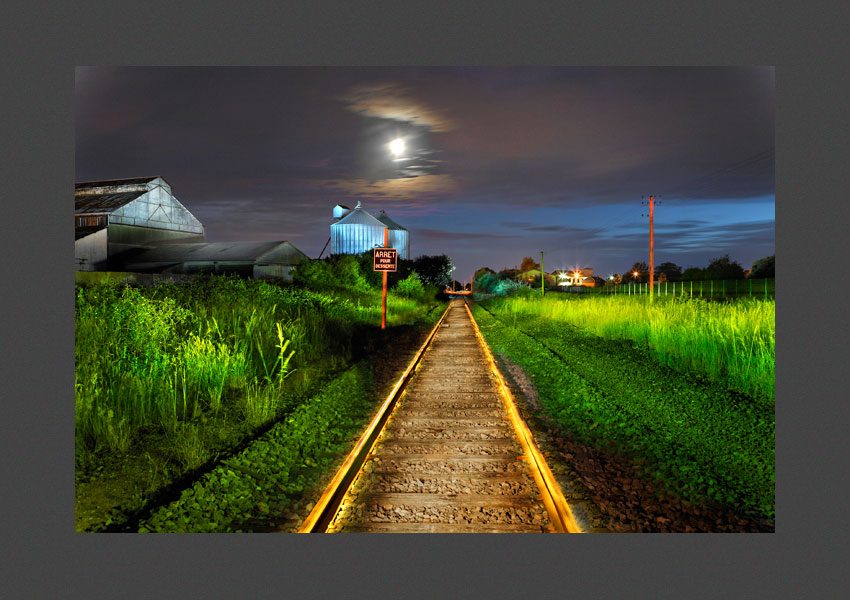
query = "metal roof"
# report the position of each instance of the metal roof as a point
(383, 218)
(358, 216)
(280, 252)
(111, 182)
(104, 203)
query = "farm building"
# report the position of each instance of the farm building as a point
(138, 225)
(112, 217)
(357, 231)
(259, 260)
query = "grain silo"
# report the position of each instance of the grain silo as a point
(399, 236)
(358, 232)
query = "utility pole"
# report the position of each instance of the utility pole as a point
(651, 247)
(542, 276)
(384, 283)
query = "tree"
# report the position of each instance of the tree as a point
(485, 280)
(724, 268)
(642, 273)
(764, 267)
(481, 271)
(671, 271)
(528, 264)
(434, 270)
(509, 274)
(693, 274)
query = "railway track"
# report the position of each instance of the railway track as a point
(446, 452)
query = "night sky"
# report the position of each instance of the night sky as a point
(500, 163)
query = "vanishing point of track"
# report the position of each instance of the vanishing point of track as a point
(446, 452)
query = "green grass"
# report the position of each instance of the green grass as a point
(731, 342)
(185, 370)
(155, 358)
(262, 483)
(693, 435)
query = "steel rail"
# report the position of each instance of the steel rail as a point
(556, 504)
(328, 503)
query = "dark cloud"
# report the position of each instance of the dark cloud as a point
(565, 229)
(440, 234)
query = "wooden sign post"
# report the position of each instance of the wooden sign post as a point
(385, 260)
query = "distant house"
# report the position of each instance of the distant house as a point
(357, 231)
(138, 225)
(579, 277)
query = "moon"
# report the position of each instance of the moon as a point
(397, 147)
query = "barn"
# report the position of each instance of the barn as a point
(257, 260)
(112, 217)
(138, 225)
(357, 231)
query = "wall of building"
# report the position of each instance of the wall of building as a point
(400, 239)
(92, 249)
(355, 238)
(157, 209)
(127, 237)
(283, 272)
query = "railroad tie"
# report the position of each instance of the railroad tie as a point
(448, 459)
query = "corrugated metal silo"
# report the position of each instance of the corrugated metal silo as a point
(399, 236)
(356, 232)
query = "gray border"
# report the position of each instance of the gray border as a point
(41, 45)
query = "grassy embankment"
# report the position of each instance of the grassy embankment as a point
(682, 388)
(168, 378)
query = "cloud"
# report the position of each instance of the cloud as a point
(708, 237)
(567, 229)
(441, 234)
(392, 101)
(403, 188)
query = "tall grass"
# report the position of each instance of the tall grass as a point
(160, 358)
(732, 342)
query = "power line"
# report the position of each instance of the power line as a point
(700, 183)
(706, 181)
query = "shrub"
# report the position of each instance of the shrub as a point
(507, 286)
(314, 274)
(410, 287)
